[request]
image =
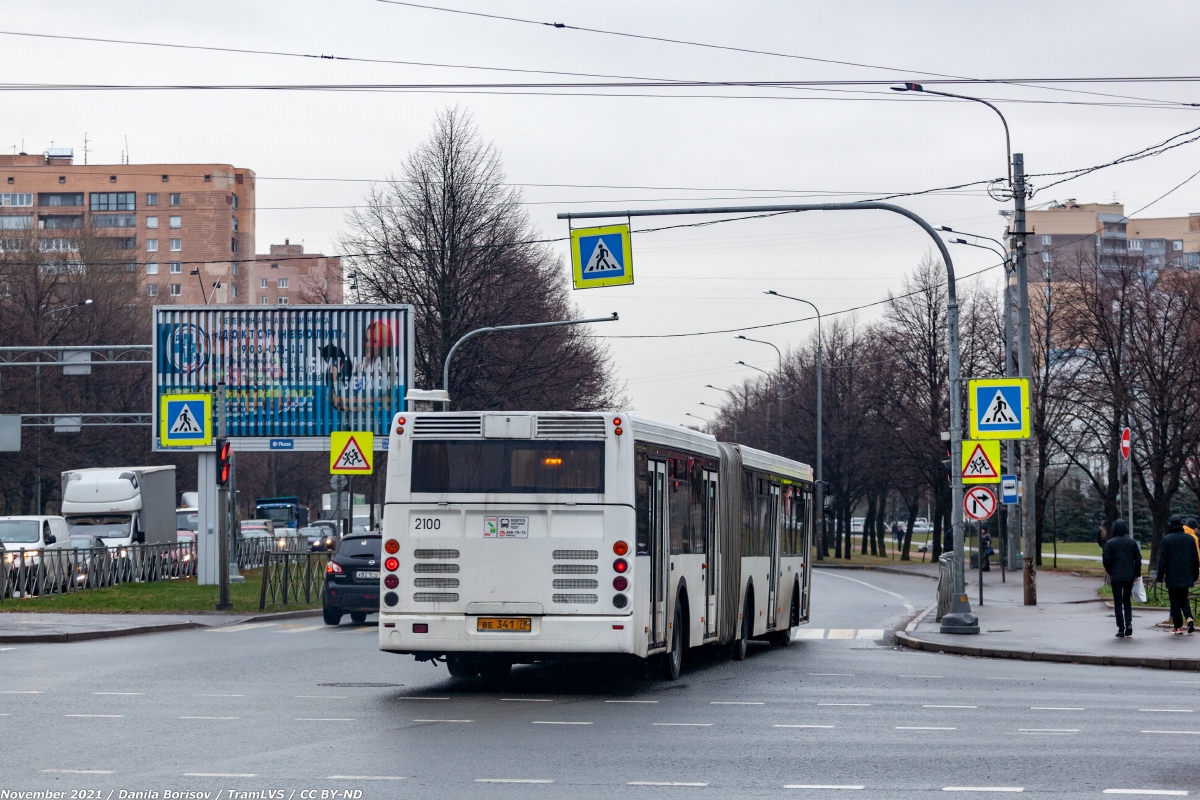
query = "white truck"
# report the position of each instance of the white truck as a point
(121, 505)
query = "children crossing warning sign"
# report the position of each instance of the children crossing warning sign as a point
(351, 452)
(999, 408)
(981, 461)
(185, 420)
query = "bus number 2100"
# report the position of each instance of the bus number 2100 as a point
(428, 524)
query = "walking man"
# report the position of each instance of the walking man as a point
(896, 535)
(1178, 569)
(1123, 563)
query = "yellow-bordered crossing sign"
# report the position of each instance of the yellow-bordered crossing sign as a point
(601, 256)
(999, 408)
(981, 461)
(351, 452)
(185, 420)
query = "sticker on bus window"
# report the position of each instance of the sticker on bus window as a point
(506, 527)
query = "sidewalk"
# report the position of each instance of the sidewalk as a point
(1070, 624)
(40, 628)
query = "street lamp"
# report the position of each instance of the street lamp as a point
(820, 415)
(707, 424)
(916, 87)
(735, 398)
(778, 386)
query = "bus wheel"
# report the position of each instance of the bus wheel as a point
(460, 667)
(742, 642)
(495, 669)
(672, 662)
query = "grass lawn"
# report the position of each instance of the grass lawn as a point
(159, 597)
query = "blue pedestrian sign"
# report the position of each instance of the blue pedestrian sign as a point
(999, 408)
(1008, 490)
(185, 420)
(601, 256)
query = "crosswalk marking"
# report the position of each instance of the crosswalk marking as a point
(838, 633)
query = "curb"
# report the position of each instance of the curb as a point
(84, 636)
(908, 640)
(873, 568)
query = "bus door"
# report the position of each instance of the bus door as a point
(711, 557)
(773, 533)
(659, 531)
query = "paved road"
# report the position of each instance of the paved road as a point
(297, 706)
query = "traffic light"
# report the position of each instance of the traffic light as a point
(224, 456)
(947, 464)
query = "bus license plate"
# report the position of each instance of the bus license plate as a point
(368, 575)
(517, 624)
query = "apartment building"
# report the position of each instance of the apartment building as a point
(187, 228)
(287, 275)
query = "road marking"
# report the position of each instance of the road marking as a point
(554, 722)
(805, 726)
(320, 696)
(239, 628)
(663, 783)
(950, 706)
(1169, 792)
(832, 674)
(303, 629)
(983, 788)
(364, 777)
(96, 716)
(809, 633)
(118, 693)
(922, 676)
(2, 649)
(449, 720)
(1054, 708)
(15, 692)
(819, 786)
(422, 698)
(843, 704)
(869, 633)
(1168, 710)
(220, 774)
(840, 633)
(218, 695)
(1191, 733)
(683, 724)
(735, 703)
(1048, 730)
(324, 719)
(523, 700)
(907, 605)
(81, 771)
(513, 780)
(210, 717)
(631, 701)
(913, 728)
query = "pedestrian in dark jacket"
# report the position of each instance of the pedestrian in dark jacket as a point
(1123, 563)
(1178, 569)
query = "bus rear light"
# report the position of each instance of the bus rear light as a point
(391, 581)
(618, 431)
(391, 598)
(621, 548)
(399, 431)
(620, 601)
(400, 420)
(617, 421)
(620, 583)
(618, 627)
(420, 627)
(391, 565)
(392, 546)
(621, 565)
(333, 568)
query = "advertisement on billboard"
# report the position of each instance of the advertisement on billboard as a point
(293, 375)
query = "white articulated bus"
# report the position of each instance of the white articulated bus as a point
(514, 537)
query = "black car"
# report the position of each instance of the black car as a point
(352, 580)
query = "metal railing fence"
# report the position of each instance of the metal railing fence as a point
(60, 570)
(250, 551)
(292, 577)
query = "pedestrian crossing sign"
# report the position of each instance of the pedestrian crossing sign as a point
(999, 408)
(351, 452)
(601, 256)
(981, 461)
(185, 420)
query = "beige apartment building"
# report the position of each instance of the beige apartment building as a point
(188, 229)
(287, 275)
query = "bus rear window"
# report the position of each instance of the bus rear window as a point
(508, 466)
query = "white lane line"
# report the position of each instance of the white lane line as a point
(631, 701)
(2, 649)
(1190, 733)
(1048, 730)
(831, 674)
(324, 719)
(220, 774)
(682, 724)
(119, 693)
(915, 728)
(210, 717)
(663, 783)
(1168, 792)
(422, 698)
(1168, 710)
(513, 780)
(320, 696)
(364, 777)
(1056, 708)
(1179, 683)
(239, 628)
(819, 786)
(16, 692)
(556, 722)
(869, 633)
(983, 788)
(303, 629)
(218, 695)
(808, 633)
(735, 703)
(907, 605)
(950, 706)
(448, 720)
(843, 704)
(805, 726)
(524, 700)
(96, 716)
(922, 676)
(81, 771)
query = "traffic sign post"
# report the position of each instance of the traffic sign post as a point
(1127, 454)
(601, 256)
(981, 461)
(999, 408)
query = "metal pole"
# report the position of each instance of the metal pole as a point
(952, 343)
(223, 532)
(1129, 473)
(778, 387)
(477, 331)
(1024, 362)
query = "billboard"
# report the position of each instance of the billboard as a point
(292, 374)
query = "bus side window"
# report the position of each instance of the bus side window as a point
(749, 499)
(680, 506)
(643, 503)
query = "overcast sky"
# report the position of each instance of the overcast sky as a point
(689, 146)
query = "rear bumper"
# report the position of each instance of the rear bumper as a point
(351, 597)
(456, 633)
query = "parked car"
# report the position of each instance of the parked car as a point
(922, 525)
(320, 539)
(352, 580)
(856, 524)
(45, 541)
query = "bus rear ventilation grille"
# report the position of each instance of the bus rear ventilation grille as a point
(439, 583)
(435, 554)
(573, 569)
(575, 599)
(573, 555)
(571, 427)
(576, 583)
(436, 597)
(467, 426)
(434, 568)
